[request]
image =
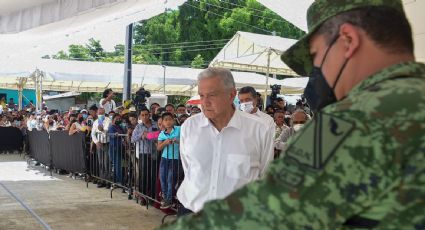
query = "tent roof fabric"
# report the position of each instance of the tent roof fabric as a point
(35, 28)
(292, 10)
(250, 52)
(62, 75)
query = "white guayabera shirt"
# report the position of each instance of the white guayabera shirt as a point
(217, 163)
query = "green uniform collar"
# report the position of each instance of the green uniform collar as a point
(411, 69)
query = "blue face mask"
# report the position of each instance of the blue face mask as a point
(85, 116)
(101, 118)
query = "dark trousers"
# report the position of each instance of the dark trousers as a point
(147, 174)
(116, 154)
(104, 163)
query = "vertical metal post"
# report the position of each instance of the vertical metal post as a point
(37, 90)
(163, 83)
(127, 63)
(41, 90)
(267, 77)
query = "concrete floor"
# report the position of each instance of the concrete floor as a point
(64, 203)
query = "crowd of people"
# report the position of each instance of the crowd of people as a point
(154, 129)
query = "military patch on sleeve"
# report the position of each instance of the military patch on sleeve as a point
(319, 140)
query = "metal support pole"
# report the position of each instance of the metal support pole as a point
(127, 63)
(20, 88)
(41, 89)
(267, 77)
(37, 90)
(163, 83)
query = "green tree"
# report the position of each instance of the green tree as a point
(61, 55)
(198, 62)
(79, 52)
(95, 49)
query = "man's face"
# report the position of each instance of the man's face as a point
(216, 100)
(279, 118)
(181, 110)
(153, 108)
(334, 59)
(281, 104)
(144, 116)
(101, 111)
(247, 97)
(298, 118)
(169, 109)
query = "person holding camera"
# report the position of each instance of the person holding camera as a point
(107, 102)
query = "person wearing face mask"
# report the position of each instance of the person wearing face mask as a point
(248, 104)
(77, 126)
(99, 138)
(181, 110)
(84, 113)
(298, 119)
(116, 148)
(359, 164)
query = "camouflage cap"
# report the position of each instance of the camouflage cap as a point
(298, 56)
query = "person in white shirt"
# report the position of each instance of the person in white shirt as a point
(100, 139)
(248, 99)
(298, 119)
(221, 148)
(107, 102)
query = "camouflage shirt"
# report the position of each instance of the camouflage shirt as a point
(363, 156)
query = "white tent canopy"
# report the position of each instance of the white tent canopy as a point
(31, 29)
(292, 10)
(61, 75)
(254, 53)
(295, 11)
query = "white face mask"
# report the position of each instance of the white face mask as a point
(297, 127)
(139, 121)
(247, 107)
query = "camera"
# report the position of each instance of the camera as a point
(275, 91)
(140, 98)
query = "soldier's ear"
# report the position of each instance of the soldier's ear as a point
(350, 36)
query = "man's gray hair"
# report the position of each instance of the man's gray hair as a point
(224, 74)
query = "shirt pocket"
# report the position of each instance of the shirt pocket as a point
(238, 166)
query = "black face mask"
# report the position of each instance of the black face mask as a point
(318, 93)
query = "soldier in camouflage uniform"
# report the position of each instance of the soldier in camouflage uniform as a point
(361, 161)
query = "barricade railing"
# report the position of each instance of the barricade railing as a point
(152, 176)
(158, 174)
(110, 162)
(11, 139)
(48, 149)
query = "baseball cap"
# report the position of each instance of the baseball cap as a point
(298, 57)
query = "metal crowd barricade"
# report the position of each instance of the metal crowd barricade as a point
(154, 172)
(111, 163)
